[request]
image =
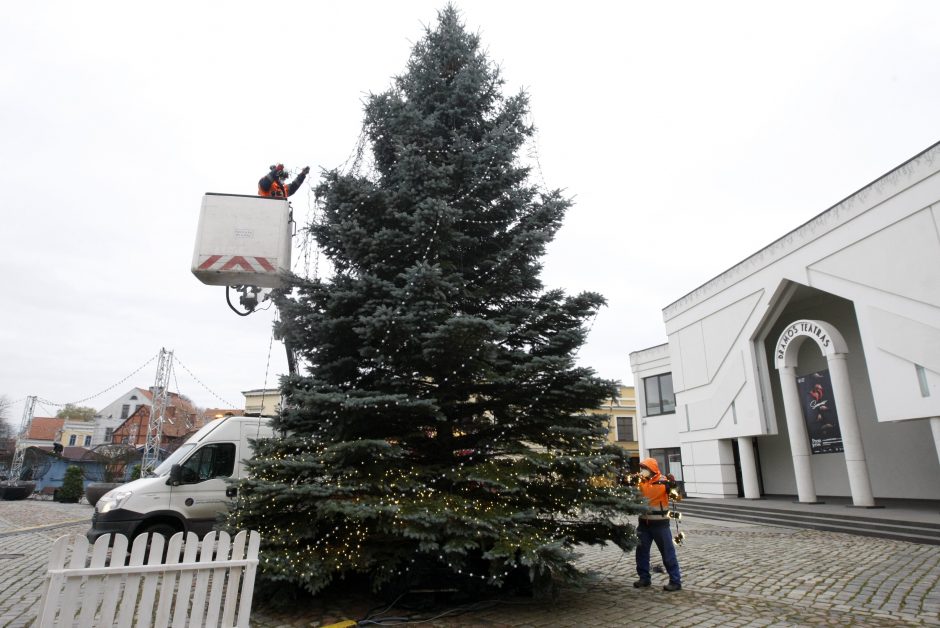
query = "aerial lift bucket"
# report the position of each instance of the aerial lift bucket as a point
(242, 241)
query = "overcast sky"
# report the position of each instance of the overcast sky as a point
(691, 134)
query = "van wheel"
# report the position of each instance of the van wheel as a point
(163, 529)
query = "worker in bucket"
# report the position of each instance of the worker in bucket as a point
(274, 183)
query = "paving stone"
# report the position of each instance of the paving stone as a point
(733, 575)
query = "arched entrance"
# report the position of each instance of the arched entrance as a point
(834, 348)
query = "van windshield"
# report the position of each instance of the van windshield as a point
(175, 457)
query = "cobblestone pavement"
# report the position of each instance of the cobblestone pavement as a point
(27, 530)
(733, 575)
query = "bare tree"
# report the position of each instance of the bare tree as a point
(7, 434)
(5, 407)
(115, 459)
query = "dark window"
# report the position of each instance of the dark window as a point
(125, 410)
(212, 461)
(659, 396)
(87, 441)
(625, 428)
(669, 461)
(72, 440)
(108, 434)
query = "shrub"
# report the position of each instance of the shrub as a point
(72, 486)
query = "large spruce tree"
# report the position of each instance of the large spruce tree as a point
(440, 422)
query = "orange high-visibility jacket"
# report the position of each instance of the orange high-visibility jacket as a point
(276, 190)
(656, 491)
(269, 185)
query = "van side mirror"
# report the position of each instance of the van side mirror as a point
(176, 475)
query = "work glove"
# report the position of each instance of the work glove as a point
(305, 170)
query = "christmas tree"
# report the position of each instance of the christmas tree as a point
(439, 424)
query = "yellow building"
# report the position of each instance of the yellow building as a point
(621, 428)
(76, 433)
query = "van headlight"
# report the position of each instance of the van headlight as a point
(112, 500)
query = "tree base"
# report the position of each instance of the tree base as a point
(69, 499)
(433, 586)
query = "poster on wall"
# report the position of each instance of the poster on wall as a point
(819, 412)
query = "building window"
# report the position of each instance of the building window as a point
(125, 410)
(625, 428)
(87, 441)
(108, 434)
(72, 440)
(659, 396)
(669, 461)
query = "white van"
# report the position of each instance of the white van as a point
(189, 490)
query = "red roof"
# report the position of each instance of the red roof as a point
(180, 420)
(44, 428)
(173, 399)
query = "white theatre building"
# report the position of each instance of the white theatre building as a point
(811, 368)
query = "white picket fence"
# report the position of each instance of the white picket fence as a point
(207, 583)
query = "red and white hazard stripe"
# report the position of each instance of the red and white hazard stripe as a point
(243, 263)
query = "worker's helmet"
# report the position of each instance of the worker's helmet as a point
(278, 171)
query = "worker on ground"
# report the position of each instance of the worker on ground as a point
(654, 527)
(273, 183)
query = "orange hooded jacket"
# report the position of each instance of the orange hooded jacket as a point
(276, 190)
(271, 185)
(656, 491)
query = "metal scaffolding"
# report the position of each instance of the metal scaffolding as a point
(16, 469)
(158, 405)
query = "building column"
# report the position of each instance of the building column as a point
(935, 428)
(799, 439)
(748, 468)
(859, 480)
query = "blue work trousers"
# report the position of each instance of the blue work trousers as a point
(658, 532)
